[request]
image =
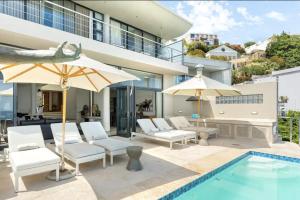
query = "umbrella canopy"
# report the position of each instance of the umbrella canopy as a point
(80, 72)
(206, 86)
(84, 73)
(201, 86)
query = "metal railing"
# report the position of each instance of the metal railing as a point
(289, 129)
(81, 23)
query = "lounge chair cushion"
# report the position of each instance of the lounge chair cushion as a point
(93, 131)
(169, 135)
(112, 144)
(83, 149)
(27, 146)
(162, 124)
(29, 159)
(186, 133)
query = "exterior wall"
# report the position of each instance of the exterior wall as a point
(168, 103)
(266, 110)
(209, 108)
(223, 76)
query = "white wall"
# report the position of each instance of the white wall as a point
(209, 108)
(288, 85)
(24, 98)
(168, 81)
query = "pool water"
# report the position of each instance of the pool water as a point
(251, 178)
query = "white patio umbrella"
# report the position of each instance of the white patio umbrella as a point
(82, 72)
(201, 86)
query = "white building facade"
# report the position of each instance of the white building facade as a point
(121, 34)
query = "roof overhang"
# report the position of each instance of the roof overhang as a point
(149, 16)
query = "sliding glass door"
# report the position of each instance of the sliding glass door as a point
(125, 115)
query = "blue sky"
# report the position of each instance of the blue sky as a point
(240, 21)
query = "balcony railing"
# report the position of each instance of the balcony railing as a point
(82, 22)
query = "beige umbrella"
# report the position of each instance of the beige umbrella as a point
(201, 86)
(84, 73)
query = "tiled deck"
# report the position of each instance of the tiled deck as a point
(164, 170)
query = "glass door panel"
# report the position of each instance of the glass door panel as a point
(125, 111)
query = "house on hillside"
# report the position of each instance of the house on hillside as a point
(223, 50)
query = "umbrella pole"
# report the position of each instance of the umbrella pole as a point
(199, 102)
(63, 127)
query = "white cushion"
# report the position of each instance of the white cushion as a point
(71, 133)
(185, 133)
(168, 135)
(147, 126)
(19, 135)
(23, 160)
(93, 131)
(112, 144)
(27, 146)
(83, 149)
(162, 124)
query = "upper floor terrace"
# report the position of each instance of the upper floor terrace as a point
(103, 23)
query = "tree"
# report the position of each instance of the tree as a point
(196, 45)
(196, 52)
(248, 44)
(256, 67)
(223, 58)
(196, 48)
(287, 47)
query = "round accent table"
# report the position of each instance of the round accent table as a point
(134, 153)
(203, 138)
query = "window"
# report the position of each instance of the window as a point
(32, 12)
(98, 27)
(6, 99)
(241, 99)
(82, 23)
(149, 45)
(69, 17)
(134, 42)
(117, 35)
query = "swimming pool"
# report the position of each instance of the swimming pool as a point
(252, 176)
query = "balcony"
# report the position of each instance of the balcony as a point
(90, 24)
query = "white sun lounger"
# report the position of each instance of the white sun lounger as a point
(28, 154)
(151, 132)
(75, 149)
(181, 122)
(95, 134)
(162, 125)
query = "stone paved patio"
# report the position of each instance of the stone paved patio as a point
(164, 170)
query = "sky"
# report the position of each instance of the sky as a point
(238, 22)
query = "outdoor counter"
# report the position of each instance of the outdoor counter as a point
(261, 129)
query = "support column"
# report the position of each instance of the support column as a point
(106, 109)
(106, 37)
(33, 98)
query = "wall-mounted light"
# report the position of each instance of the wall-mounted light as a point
(221, 112)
